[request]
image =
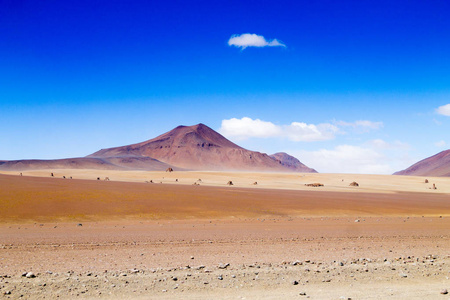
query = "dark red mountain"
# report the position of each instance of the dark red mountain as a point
(436, 165)
(199, 147)
(195, 147)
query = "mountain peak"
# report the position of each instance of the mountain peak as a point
(193, 127)
(199, 135)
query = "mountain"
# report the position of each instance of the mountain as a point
(107, 163)
(291, 162)
(198, 147)
(436, 165)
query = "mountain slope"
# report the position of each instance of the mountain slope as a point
(436, 165)
(107, 163)
(291, 162)
(198, 147)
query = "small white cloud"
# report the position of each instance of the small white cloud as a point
(302, 132)
(381, 144)
(252, 40)
(444, 110)
(361, 125)
(246, 127)
(296, 131)
(346, 159)
(439, 123)
(440, 144)
(372, 157)
(378, 143)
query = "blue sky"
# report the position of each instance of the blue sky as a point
(345, 86)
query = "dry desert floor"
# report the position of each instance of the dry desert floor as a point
(127, 238)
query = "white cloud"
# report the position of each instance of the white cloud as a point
(361, 125)
(444, 110)
(378, 143)
(372, 157)
(346, 159)
(296, 131)
(375, 156)
(252, 40)
(381, 144)
(246, 127)
(302, 132)
(440, 144)
(439, 123)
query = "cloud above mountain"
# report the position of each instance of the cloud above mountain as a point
(296, 131)
(246, 127)
(371, 157)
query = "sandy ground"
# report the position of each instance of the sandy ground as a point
(292, 181)
(126, 239)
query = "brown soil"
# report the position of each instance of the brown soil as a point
(26, 198)
(140, 240)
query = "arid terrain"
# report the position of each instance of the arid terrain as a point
(436, 165)
(189, 235)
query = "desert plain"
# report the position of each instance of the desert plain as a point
(190, 235)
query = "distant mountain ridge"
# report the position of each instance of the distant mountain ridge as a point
(291, 162)
(436, 165)
(196, 147)
(107, 163)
